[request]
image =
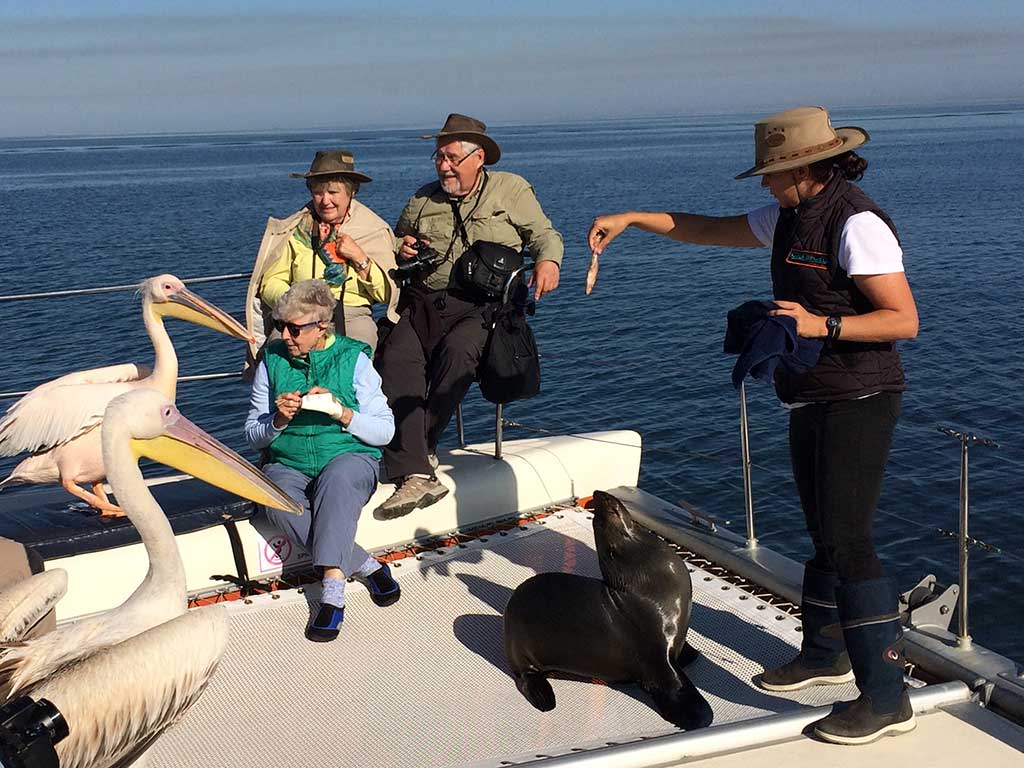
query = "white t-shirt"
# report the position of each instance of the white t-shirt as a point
(866, 246)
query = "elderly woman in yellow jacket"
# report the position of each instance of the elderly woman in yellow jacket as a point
(337, 239)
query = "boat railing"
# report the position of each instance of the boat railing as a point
(965, 542)
(123, 288)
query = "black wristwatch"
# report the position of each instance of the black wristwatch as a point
(834, 326)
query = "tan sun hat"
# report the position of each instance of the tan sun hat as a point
(333, 162)
(469, 129)
(799, 137)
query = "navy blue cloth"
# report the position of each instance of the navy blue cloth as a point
(765, 342)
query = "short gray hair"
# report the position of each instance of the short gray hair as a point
(307, 296)
(469, 146)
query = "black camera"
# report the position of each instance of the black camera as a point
(424, 262)
(28, 732)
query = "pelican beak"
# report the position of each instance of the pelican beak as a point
(187, 448)
(186, 305)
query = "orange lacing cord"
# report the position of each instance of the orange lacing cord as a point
(438, 545)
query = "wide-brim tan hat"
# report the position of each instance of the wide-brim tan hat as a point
(333, 162)
(799, 137)
(461, 127)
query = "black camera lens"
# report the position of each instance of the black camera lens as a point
(28, 732)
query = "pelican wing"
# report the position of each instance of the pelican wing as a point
(118, 701)
(25, 664)
(54, 414)
(108, 374)
(25, 602)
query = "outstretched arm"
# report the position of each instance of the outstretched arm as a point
(685, 227)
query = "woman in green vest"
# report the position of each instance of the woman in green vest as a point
(318, 411)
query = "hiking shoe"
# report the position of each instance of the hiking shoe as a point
(799, 674)
(433, 461)
(383, 589)
(325, 625)
(856, 722)
(415, 493)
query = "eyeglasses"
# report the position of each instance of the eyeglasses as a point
(440, 157)
(294, 329)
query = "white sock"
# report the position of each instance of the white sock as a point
(370, 566)
(334, 592)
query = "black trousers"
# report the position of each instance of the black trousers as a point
(839, 450)
(424, 389)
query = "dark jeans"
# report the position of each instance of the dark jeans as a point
(839, 450)
(424, 389)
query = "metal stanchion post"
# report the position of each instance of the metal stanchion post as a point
(963, 637)
(748, 493)
(497, 431)
(460, 426)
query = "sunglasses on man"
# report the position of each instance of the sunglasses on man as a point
(294, 329)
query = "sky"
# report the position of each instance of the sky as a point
(96, 67)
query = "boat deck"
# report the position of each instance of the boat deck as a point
(424, 682)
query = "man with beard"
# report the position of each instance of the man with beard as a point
(430, 358)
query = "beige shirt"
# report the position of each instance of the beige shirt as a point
(503, 209)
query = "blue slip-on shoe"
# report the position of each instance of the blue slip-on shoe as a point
(324, 626)
(383, 589)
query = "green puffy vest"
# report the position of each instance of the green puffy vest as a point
(312, 438)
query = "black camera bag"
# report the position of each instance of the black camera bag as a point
(510, 367)
(484, 268)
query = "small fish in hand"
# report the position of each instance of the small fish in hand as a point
(592, 273)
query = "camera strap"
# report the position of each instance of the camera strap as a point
(459, 228)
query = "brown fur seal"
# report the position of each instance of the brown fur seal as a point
(629, 627)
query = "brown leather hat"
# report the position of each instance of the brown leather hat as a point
(469, 129)
(799, 137)
(333, 162)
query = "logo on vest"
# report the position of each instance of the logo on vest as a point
(811, 259)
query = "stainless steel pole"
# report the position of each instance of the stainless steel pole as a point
(963, 639)
(964, 541)
(748, 493)
(497, 431)
(460, 426)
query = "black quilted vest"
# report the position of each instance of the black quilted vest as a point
(805, 269)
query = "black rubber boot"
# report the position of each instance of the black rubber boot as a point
(874, 639)
(822, 659)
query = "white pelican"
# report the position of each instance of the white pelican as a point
(57, 421)
(120, 678)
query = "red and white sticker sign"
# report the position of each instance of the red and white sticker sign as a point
(279, 551)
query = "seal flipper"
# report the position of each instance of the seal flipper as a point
(537, 690)
(682, 705)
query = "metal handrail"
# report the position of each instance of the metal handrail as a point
(116, 288)
(963, 637)
(748, 493)
(126, 287)
(186, 379)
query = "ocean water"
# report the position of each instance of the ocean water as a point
(643, 352)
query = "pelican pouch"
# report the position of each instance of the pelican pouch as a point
(510, 367)
(482, 271)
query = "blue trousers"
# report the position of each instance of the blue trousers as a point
(332, 502)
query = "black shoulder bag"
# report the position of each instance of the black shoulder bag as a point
(484, 269)
(510, 365)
